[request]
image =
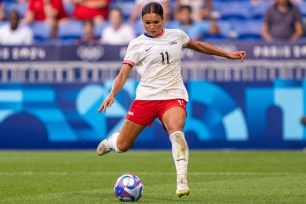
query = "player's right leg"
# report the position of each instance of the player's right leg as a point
(174, 120)
(122, 140)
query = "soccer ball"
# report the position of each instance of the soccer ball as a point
(128, 188)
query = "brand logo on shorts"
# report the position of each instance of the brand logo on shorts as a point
(131, 113)
(181, 102)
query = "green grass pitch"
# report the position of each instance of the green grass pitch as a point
(214, 176)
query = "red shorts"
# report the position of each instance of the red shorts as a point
(143, 112)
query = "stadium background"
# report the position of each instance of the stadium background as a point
(50, 92)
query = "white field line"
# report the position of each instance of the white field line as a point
(64, 173)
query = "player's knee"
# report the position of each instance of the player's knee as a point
(172, 127)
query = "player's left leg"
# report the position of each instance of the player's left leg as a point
(174, 121)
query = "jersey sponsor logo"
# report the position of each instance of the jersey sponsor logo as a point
(130, 113)
(148, 49)
(172, 43)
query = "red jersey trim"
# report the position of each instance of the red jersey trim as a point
(160, 34)
(132, 64)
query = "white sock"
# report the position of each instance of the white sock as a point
(113, 141)
(180, 153)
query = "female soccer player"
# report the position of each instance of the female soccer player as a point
(156, 55)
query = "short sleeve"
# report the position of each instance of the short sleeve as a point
(132, 54)
(184, 37)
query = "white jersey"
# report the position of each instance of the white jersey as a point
(121, 36)
(21, 36)
(158, 62)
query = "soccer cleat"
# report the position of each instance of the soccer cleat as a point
(104, 147)
(182, 187)
(182, 193)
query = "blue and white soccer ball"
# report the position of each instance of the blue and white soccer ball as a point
(128, 188)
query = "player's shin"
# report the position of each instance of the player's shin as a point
(180, 152)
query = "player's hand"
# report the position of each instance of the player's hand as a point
(237, 55)
(106, 104)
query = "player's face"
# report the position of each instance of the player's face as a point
(153, 23)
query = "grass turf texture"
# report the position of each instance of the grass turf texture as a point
(214, 176)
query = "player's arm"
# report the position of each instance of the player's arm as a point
(207, 48)
(117, 86)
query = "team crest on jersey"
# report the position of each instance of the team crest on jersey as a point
(172, 42)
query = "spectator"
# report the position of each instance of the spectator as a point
(50, 11)
(201, 9)
(254, 2)
(140, 3)
(88, 36)
(91, 9)
(282, 21)
(117, 33)
(1, 10)
(13, 33)
(195, 29)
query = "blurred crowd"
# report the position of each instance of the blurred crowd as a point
(116, 22)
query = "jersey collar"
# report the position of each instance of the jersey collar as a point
(149, 36)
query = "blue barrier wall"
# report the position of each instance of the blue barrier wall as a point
(220, 115)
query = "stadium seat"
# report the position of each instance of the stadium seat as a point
(257, 11)
(41, 31)
(234, 10)
(69, 8)
(20, 7)
(138, 27)
(225, 30)
(171, 24)
(248, 29)
(70, 31)
(302, 6)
